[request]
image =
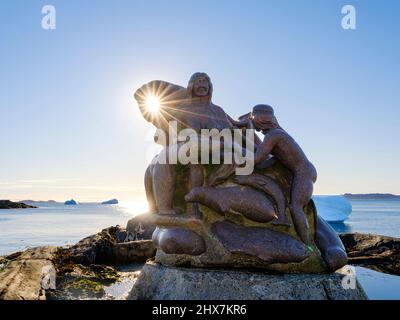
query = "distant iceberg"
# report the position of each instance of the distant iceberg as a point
(71, 202)
(333, 208)
(112, 201)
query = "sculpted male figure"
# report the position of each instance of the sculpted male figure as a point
(191, 108)
(281, 145)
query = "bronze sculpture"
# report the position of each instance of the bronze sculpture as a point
(206, 215)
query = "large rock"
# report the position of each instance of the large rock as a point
(27, 275)
(95, 249)
(140, 227)
(380, 253)
(108, 247)
(79, 282)
(169, 283)
(134, 251)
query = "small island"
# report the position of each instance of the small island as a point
(112, 201)
(7, 204)
(372, 196)
(40, 203)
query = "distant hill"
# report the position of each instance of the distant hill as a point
(41, 203)
(7, 204)
(372, 196)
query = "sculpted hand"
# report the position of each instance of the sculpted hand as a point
(250, 124)
(223, 172)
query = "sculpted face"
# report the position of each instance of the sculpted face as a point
(264, 118)
(201, 87)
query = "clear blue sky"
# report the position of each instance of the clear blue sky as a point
(70, 127)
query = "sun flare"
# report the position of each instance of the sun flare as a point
(153, 104)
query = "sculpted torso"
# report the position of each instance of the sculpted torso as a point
(199, 116)
(281, 145)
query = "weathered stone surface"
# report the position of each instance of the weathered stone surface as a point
(95, 249)
(79, 282)
(45, 253)
(376, 252)
(141, 227)
(30, 274)
(107, 247)
(27, 275)
(159, 282)
(134, 251)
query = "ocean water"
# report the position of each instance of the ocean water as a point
(59, 224)
(63, 225)
(373, 216)
(376, 217)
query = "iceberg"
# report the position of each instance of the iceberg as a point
(71, 202)
(112, 201)
(333, 208)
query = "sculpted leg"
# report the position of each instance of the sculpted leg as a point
(148, 185)
(196, 179)
(302, 189)
(164, 179)
(330, 245)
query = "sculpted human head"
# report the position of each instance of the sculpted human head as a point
(200, 85)
(264, 118)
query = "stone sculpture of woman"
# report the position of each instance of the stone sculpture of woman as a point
(241, 221)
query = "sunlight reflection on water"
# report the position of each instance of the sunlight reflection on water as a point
(59, 224)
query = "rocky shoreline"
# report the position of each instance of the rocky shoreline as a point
(115, 256)
(379, 253)
(7, 204)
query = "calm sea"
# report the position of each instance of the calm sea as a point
(63, 225)
(59, 224)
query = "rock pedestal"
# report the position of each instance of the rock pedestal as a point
(157, 282)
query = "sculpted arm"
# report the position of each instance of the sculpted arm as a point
(265, 148)
(241, 123)
(169, 94)
(245, 122)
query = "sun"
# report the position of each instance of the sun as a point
(153, 104)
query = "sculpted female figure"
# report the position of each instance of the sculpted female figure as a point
(190, 108)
